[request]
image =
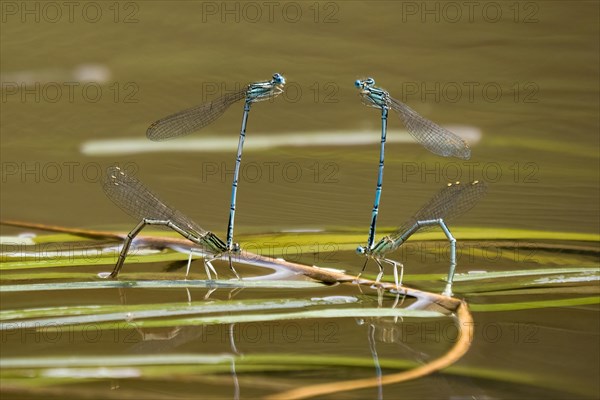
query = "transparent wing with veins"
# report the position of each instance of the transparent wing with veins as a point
(130, 195)
(187, 121)
(433, 137)
(449, 203)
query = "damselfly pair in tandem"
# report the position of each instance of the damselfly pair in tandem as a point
(134, 198)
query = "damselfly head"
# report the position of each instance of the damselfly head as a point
(363, 84)
(361, 250)
(278, 79)
(235, 248)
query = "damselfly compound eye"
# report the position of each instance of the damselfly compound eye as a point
(278, 78)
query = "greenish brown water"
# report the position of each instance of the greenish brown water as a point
(538, 150)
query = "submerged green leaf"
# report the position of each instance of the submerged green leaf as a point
(53, 257)
(528, 305)
(107, 322)
(157, 284)
(69, 260)
(130, 312)
(475, 276)
(171, 366)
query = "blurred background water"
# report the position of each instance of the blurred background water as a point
(526, 80)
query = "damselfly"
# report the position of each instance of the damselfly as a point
(433, 137)
(195, 118)
(129, 194)
(450, 202)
